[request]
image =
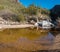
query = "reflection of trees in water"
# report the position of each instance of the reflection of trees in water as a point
(57, 50)
(55, 32)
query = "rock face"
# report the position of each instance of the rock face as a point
(55, 13)
(56, 10)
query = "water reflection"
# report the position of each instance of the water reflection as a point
(40, 43)
(46, 40)
(28, 39)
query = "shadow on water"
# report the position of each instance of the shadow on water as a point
(55, 32)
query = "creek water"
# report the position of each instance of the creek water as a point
(26, 39)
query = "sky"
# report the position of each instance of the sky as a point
(48, 4)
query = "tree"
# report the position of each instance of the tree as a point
(31, 10)
(21, 17)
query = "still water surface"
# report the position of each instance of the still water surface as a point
(27, 39)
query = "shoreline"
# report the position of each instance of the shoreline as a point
(16, 26)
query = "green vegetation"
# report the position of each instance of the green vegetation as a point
(1, 7)
(12, 7)
(19, 10)
(33, 10)
(8, 4)
(44, 11)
